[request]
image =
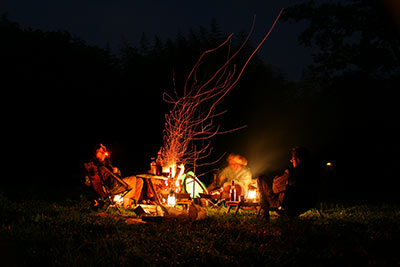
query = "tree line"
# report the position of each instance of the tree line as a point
(344, 107)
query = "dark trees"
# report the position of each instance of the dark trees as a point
(68, 95)
(355, 76)
(353, 36)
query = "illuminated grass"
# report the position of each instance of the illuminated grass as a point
(67, 234)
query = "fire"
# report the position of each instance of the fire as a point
(182, 169)
(175, 173)
(172, 168)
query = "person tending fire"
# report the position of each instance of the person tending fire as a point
(102, 167)
(237, 172)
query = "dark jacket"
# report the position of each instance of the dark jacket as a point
(302, 190)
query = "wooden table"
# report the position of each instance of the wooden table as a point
(181, 198)
(240, 205)
(148, 178)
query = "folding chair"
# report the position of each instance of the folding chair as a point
(214, 200)
(106, 193)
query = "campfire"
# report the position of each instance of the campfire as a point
(190, 127)
(174, 173)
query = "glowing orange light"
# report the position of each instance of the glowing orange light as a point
(106, 154)
(171, 200)
(118, 199)
(252, 195)
(329, 164)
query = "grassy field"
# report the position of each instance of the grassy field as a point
(67, 234)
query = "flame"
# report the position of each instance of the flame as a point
(182, 170)
(172, 168)
(178, 180)
(174, 183)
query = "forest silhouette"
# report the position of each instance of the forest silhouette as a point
(65, 97)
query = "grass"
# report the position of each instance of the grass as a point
(67, 234)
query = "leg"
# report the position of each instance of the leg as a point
(268, 199)
(136, 184)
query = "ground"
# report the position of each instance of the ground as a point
(71, 234)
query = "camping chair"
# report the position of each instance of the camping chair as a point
(214, 200)
(105, 192)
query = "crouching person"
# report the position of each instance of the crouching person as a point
(295, 191)
(105, 179)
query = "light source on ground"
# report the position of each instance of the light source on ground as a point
(118, 199)
(171, 200)
(252, 195)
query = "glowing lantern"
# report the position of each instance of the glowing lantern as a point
(118, 199)
(171, 200)
(252, 195)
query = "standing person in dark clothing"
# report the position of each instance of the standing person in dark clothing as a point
(295, 191)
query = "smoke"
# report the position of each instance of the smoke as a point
(266, 153)
(267, 147)
(272, 132)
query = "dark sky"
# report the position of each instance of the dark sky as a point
(103, 22)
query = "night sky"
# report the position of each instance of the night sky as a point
(104, 23)
(50, 140)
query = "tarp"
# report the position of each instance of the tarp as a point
(187, 185)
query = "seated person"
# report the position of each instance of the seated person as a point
(295, 190)
(101, 166)
(235, 171)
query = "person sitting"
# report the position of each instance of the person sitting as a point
(101, 165)
(235, 171)
(295, 191)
